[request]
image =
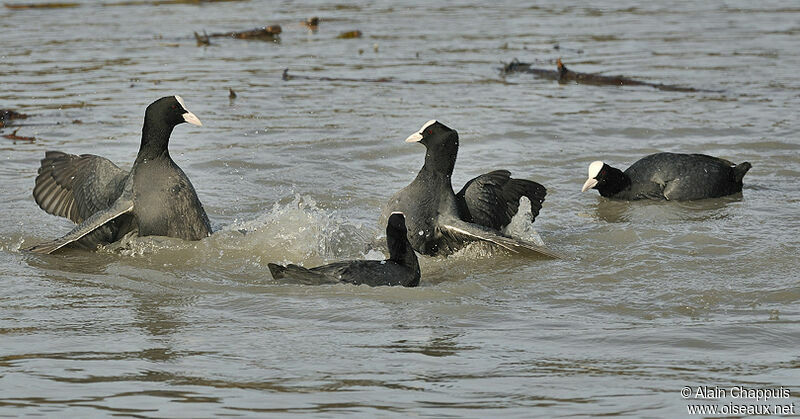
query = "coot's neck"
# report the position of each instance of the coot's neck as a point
(440, 161)
(155, 139)
(430, 172)
(614, 182)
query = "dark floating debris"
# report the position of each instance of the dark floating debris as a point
(562, 74)
(516, 66)
(558, 47)
(264, 33)
(14, 137)
(61, 5)
(311, 23)
(350, 34)
(7, 115)
(231, 94)
(202, 39)
(286, 77)
(41, 5)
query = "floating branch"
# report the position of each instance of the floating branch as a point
(14, 137)
(264, 33)
(202, 39)
(42, 5)
(562, 74)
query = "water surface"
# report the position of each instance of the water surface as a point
(657, 296)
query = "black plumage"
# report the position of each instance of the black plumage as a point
(668, 176)
(492, 199)
(154, 198)
(402, 267)
(442, 222)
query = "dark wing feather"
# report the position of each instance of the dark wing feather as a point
(300, 275)
(97, 220)
(374, 273)
(492, 199)
(76, 187)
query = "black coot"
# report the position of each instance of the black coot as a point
(401, 268)
(154, 198)
(441, 221)
(668, 176)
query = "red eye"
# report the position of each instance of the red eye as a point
(174, 106)
(428, 132)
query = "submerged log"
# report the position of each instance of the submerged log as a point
(562, 74)
(516, 66)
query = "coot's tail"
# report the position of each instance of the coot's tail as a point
(740, 170)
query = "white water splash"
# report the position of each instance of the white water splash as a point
(300, 231)
(521, 227)
(295, 232)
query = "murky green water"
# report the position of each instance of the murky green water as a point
(658, 295)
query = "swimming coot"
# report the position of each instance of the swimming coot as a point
(668, 176)
(401, 268)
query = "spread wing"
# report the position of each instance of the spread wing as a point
(492, 199)
(76, 187)
(460, 230)
(121, 206)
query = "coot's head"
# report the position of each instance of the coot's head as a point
(434, 134)
(441, 142)
(396, 226)
(597, 174)
(608, 180)
(170, 110)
